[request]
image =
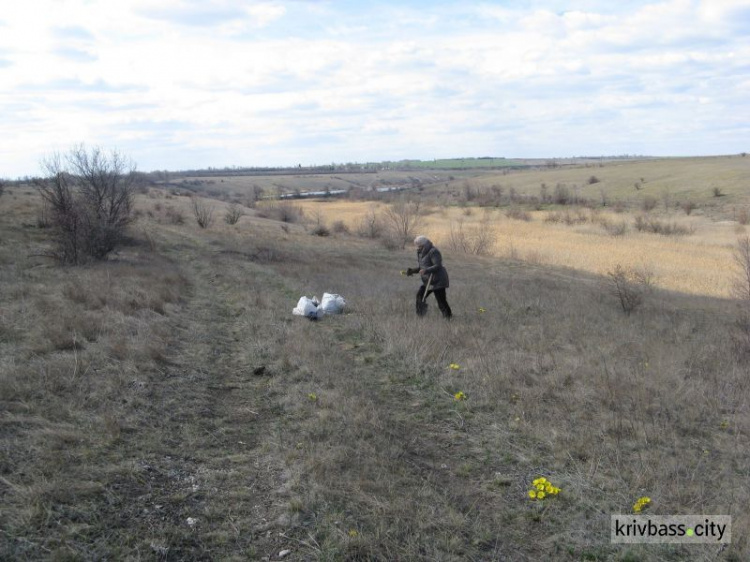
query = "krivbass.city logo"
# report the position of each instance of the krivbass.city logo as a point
(678, 529)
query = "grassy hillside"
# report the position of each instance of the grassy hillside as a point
(166, 405)
(678, 180)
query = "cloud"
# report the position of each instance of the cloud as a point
(76, 55)
(73, 32)
(337, 81)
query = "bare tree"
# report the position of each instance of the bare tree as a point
(402, 219)
(90, 195)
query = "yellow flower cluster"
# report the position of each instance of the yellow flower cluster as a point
(460, 395)
(353, 533)
(454, 366)
(641, 504)
(312, 396)
(542, 488)
(481, 310)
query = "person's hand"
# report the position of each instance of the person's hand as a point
(421, 271)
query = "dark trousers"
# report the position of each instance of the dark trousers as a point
(441, 300)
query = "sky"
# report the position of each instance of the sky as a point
(184, 84)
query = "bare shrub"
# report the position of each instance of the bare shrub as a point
(90, 196)
(339, 227)
(717, 192)
(688, 207)
(518, 214)
(561, 196)
(402, 219)
(645, 223)
(625, 285)
(568, 217)
(286, 211)
(619, 228)
(370, 225)
(743, 216)
(477, 241)
(174, 216)
(593, 180)
(233, 214)
(203, 212)
(321, 230)
(649, 203)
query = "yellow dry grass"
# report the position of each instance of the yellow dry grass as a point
(699, 263)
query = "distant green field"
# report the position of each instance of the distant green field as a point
(458, 163)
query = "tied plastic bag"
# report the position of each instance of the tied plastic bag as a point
(308, 307)
(332, 304)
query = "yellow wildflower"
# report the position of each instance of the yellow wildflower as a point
(454, 366)
(532, 494)
(460, 395)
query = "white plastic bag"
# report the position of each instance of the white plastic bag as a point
(308, 308)
(332, 304)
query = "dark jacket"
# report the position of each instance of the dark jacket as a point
(431, 261)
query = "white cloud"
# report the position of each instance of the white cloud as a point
(259, 79)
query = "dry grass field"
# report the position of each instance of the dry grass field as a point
(698, 263)
(166, 405)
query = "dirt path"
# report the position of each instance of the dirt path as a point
(207, 478)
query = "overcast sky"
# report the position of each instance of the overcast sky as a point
(181, 84)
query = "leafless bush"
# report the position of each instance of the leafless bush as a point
(285, 211)
(518, 214)
(644, 223)
(233, 214)
(561, 196)
(619, 228)
(649, 203)
(688, 207)
(717, 192)
(625, 285)
(370, 225)
(593, 180)
(174, 216)
(569, 217)
(402, 219)
(321, 230)
(203, 212)
(90, 197)
(339, 227)
(743, 216)
(478, 241)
